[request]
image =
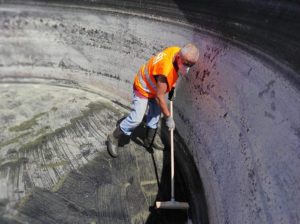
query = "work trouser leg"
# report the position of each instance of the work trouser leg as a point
(153, 114)
(121, 135)
(139, 106)
(153, 117)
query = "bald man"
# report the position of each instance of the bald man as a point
(153, 80)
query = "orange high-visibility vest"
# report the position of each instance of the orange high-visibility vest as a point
(160, 64)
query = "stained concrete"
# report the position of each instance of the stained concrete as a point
(237, 112)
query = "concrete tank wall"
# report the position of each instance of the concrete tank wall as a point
(240, 118)
(238, 111)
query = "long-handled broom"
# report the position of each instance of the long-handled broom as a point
(172, 204)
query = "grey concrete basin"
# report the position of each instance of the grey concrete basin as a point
(66, 72)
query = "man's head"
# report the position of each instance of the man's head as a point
(186, 58)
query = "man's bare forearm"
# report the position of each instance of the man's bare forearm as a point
(160, 99)
(162, 86)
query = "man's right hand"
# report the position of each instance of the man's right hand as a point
(170, 123)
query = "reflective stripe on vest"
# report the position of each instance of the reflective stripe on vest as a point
(148, 81)
(142, 82)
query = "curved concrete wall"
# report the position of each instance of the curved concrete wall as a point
(238, 111)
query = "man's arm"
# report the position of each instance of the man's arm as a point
(162, 86)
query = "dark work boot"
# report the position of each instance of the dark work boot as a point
(152, 141)
(116, 140)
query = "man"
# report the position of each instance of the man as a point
(151, 83)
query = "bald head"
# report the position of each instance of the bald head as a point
(190, 53)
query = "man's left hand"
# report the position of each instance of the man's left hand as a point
(170, 123)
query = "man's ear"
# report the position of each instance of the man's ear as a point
(175, 63)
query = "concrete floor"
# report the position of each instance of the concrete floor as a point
(54, 163)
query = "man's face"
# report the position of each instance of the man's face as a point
(183, 66)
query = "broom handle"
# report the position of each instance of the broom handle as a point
(172, 156)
